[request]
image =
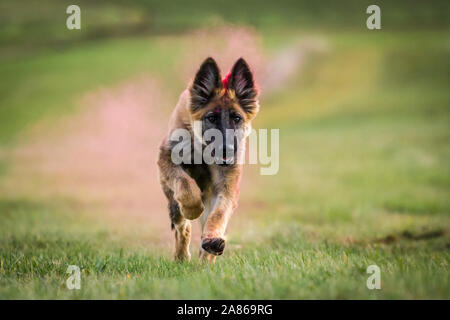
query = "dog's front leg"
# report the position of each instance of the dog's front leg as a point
(185, 190)
(224, 203)
(213, 238)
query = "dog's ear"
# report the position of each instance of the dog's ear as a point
(244, 86)
(205, 83)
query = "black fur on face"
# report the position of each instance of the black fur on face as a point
(225, 119)
(224, 105)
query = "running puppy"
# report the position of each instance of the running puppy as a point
(206, 189)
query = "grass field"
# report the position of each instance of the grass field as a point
(364, 175)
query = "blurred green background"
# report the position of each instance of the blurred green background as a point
(364, 146)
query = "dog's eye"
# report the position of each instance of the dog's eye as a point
(236, 118)
(211, 118)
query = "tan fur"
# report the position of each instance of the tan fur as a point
(216, 203)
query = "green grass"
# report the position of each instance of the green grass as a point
(280, 260)
(364, 179)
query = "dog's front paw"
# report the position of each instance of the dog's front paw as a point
(192, 212)
(189, 197)
(214, 246)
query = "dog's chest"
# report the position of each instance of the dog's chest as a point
(201, 174)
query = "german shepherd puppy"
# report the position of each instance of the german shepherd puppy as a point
(208, 191)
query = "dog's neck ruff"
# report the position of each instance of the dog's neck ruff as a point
(226, 80)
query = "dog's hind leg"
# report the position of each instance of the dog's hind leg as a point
(182, 228)
(182, 240)
(180, 225)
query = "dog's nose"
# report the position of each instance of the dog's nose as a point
(227, 151)
(225, 154)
